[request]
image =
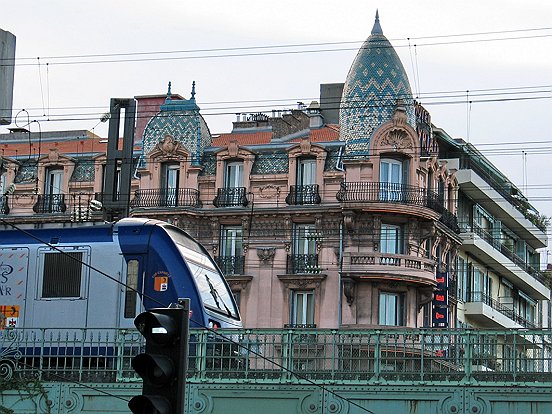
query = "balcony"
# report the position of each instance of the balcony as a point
(231, 265)
(402, 194)
(50, 203)
(488, 249)
(378, 265)
(303, 195)
(230, 197)
(302, 264)
(164, 197)
(484, 309)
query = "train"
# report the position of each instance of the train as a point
(104, 275)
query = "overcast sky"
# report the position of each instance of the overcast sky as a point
(434, 39)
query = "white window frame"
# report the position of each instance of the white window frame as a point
(391, 309)
(302, 307)
(233, 174)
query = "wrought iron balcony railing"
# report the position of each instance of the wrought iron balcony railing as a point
(230, 197)
(231, 265)
(50, 203)
(303, 194)
(166, 197)
(377, 192)
(505, 310)
(302, 264)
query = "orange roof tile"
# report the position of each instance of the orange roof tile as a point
(325, 134)
(254, 138)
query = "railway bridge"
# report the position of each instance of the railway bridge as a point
(315, 371)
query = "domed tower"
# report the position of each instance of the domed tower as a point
(180, 121)
(376, 84)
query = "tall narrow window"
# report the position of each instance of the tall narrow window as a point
(171, 176)
(231, 260)
(304, 258)
(234, 174)
(131, 292)
(391, 180)
(391, 239)
(302, 308)
(391, 309)
(306, 171)
(53, 194)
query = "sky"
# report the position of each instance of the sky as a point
(496, 54)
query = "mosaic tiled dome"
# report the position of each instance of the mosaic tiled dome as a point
(181, 120)
(375, 83)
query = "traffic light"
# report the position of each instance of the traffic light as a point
(163, 365)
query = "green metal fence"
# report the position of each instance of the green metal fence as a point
(291, 356)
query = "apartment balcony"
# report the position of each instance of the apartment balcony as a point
(302, 264)
(394, 267)
(487, 249)
(489, 312)
(401, 198)
(303, 195)
(497, 199)
(50, 203)
(166, 198)
(231, 197)
(231, 265)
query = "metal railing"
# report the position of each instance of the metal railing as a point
(378, 192)
(166, 197)
(302, 263)
(231, 265)
(497, 245)
(303, 194)
(290, 355)
(230, 197)
(50, 203)
(503, 309)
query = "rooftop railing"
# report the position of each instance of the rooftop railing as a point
(503, 309)
(291, 355)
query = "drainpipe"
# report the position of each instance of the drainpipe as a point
(340, 270)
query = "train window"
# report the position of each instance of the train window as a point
(131, 288)
(62, 275)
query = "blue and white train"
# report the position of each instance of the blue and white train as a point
(60, 277)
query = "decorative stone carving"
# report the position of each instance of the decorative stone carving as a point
(268, 191)
(168, 146)
(349, 289)
(53, 155)
(305, 145)
(302, 281)
(233, 149)
(238, 282)
(266, 254)
(396, 138)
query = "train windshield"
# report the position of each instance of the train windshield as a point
(209, 280)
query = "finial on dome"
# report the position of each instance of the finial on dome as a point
(193, 91)
(169, 92)
(377, 28)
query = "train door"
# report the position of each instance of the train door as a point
(14, 265)
(132, 290)
(61, 290)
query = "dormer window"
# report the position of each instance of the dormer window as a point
(306, 190)
(233, 192)
(170, 183)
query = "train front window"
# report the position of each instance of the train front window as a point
(210, 282)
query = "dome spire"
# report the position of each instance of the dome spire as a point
(377, 28)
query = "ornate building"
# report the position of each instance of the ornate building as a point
(314, 223)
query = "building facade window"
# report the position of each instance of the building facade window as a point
(306, 171)
(391, 180)
(170, 183)
(391, 239)
(302, 308)
(231, 259)
(233, 175)
(391, 309)
(304, 257)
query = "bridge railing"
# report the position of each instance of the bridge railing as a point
(291, 355)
